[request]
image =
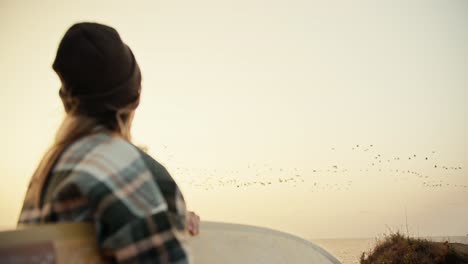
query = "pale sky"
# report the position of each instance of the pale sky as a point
(274, 97)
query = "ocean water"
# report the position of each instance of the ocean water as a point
(348, 251)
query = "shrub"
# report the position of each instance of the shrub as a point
(398, 249)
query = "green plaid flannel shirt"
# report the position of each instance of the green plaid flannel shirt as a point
(138, 210)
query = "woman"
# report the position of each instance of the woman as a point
(92, 173)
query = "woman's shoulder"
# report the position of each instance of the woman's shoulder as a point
(102, 155)
(100, 150)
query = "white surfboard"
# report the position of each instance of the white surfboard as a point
(233, 243)
(217, 243)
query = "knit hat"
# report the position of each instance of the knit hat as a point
(98, 71)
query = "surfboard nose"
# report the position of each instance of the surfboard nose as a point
(234, 243)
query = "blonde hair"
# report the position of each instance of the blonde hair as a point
(73, 127)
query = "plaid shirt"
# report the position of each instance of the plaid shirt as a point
(137, 208)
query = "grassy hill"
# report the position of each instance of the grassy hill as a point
(399, 249)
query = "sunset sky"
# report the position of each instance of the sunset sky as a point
(325, 119)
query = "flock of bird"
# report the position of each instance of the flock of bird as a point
(430, 173)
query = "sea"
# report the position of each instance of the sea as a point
(349, 251)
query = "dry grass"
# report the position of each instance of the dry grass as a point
(398, 249)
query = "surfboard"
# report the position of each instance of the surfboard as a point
(234, 243)
(50, 244)
(217, 243)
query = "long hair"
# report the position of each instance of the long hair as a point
(73, 127)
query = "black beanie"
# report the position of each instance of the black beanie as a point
(98, 71)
